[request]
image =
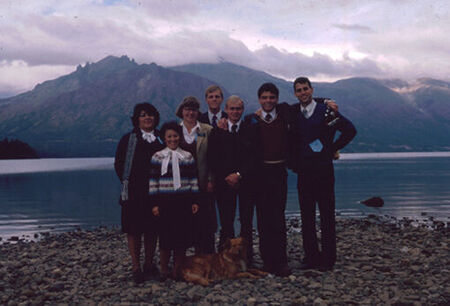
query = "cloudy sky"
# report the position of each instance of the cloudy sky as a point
(324, 39)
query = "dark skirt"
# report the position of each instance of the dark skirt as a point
(137, 217)
(176, 222)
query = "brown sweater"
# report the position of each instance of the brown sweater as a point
(274, 140)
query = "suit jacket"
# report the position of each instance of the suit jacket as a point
(204, 118)
(229, 153)
(204, 173)
(140, 166)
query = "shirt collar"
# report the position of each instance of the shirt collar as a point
(194, 129)
(273, 113)
(167, 150)
(230, 125)
(192, 136)
(148, 133)
(211, 115)
(148, 136)
(309, 108)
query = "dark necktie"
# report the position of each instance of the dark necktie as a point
(305, 113)
(214, 121)
(268, 117)
(234, 128)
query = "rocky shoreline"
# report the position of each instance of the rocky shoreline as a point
(379, 262)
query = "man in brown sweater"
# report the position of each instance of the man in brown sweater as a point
(266, 133)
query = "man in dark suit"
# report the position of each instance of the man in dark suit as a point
(231, 163)
(214, 99)
(313, 147)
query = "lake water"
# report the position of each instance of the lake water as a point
(61, 194)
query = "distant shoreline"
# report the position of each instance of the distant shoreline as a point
(20, 166)
(427, 221)
(379, 262)
(393, 155)
(293, 222)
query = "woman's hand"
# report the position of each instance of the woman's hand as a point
(155, 211)
(194, 209)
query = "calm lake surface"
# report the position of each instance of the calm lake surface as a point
(61, 194)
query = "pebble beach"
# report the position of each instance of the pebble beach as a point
(380, 261)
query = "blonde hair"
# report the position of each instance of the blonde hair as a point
(211, 89)
(234, 98)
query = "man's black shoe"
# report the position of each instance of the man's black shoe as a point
(268, 269)
(150, 272)
(283, 271)
(326, 267)
(307, 265)
(138, 276)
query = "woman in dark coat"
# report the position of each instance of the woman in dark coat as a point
(137, 217)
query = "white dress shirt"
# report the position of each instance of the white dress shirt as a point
(309, 109)
(192, 136)
(211, 115)
(230, 125)
(273, 113)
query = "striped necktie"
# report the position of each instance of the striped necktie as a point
(305, 113)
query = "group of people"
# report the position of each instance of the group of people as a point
(172, 178)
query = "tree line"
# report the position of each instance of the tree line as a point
(16, 149)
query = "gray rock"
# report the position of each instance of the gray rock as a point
(94, 267)
(319, 302)
(58, 286)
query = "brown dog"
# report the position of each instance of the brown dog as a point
(230, 263)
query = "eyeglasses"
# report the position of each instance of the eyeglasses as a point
(190, 109)
(142, 115)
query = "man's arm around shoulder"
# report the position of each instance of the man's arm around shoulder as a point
(348, 132)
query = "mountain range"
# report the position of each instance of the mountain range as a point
(85, 112)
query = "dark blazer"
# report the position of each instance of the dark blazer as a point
(229, 153)
(304, 131)
(140, 166)
(203, 118)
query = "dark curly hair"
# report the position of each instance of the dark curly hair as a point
(148, 108)
(302, 80)
(171, 125)
(270, 87)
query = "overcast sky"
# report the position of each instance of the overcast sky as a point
(325, 40)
